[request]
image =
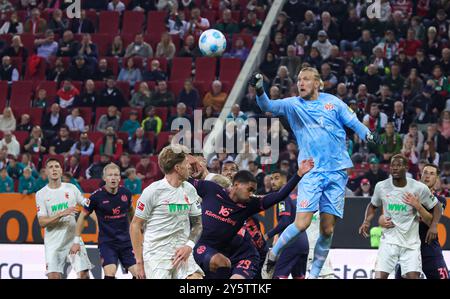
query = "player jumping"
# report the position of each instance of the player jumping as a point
(403, 200)
(317, 120)
(56, 209)
(169, 213)
(113, 207)
(433, 263)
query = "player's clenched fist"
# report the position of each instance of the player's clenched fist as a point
(257, 82)
(305, 166)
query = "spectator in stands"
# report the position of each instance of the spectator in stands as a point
(439, 141)
(400, 119)
(88, 97)
(351, 28)
(89, 50)
(176, 23)
(189, 95)
(10, 144)
(389, 46)
(364, 189)
(117, 47)
(131, 124)
(25, 123)
(335, 62)
(350, 79)
(130, 73)
(7, 71)
(379, 60)
(58, 72)
(216, 97)
(444, 124)
(251, 25)
(139, 48)
(442, 23)
(422, 63)
(14, 169)
(226, 24)
(165, 48)
(110, 144)
(314, 59)
(420, 105)
(404, 63)
(254, 168)
(111, 95)
(236, 115)
(57, 24)
(95, 171)
(152, 122)
(284, 25)
(278, 46)
(410, 44)
(124, 164)
(83, 147)
(249, 154)
(27, 162)
(68, 46)
(132, 181)
(391, 143)
(67, 94)
(6, 6)
(190, 48)
(181, 113)
(35, 143)
(323, 44)
(363, 97)
(375, 174)
(102, 71)
(394, 80)
(372, 80)
(82, 25)
(269, 67)
(416, 135)
(46, 47)
(441, 85)
(142, 5)
(111, 119)
(155, 73)
(429, 153)
(6, 182)
(301, 45)
(16, 49)
(116, 5)
(328, 78)
(7, 120)
(146, 169)
(248, 103)
(445, 175)
(26, 182)
(197, 24)
(67, 177)
(139, 144)
(409, 151)
(80, 71)
(283, 81)
(141, 98)
(330, 28)
(214, 165)
(376, 120)
(13, 26)
(445, 61)
(74, 121)
(239, 50)
(35, 24)
(366, 43)
(162, 96)
(386, 103)
(342, 92)
(62, 144)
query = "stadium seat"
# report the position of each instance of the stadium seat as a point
(229, 69)
(181, 68)
(91, 14)
(39, 74)
(90, 185)
(124, 87)
(21, 93)
(35, 114)
(95, 135)
(50, 86)
(109, 22)
(3, 94)
(135, 159)
(17, 63)
(138, 62)
(99, 111)
(86, 114)
(84, 164)
(99, 85)
(176, 87)
(123, 136)
(156, 21)
(133, 21)
(205, 68)
(161, 141)
(60, 158)
(236, 15)
(159, 175)
(103, 42)
(248, 39)
(21, 136)
(113, 64)
(28, 40)
(211, 15)
(162, 112)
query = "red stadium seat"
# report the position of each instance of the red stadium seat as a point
(91, 14)
(3, 94)
(99, 85)
(94, 136)
(229, 69)
(90, 185)
(50, 86)
(39, 74)
(236, 15)
(123, 136)
(99, 111)
(21, 93)
(181, 68)
(176, 87)
(133, 21)
(103, 42)
(84, 164)
(109, 22)
(124, 87)
(159, 174)
(135, 159)
(205, 68)
(86, 114)
(162, 140)
(60, 158)
(28, 40)
(156, 21)
(17, 63)
(113, 64)
(35, 114)
(211, 15)
(248, 39)
(21, 136)
(162, 112)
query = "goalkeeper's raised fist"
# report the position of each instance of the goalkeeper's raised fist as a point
(257, 82)
(373, 137)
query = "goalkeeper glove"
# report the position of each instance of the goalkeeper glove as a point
(373, 137)
(257, 82)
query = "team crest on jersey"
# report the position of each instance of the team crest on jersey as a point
(88, 202)
(329, 106)
(141, 206)
(66, 195)
(38, 209)
(282, 206)
(201, 249)
(304, 203)
(124, 198)
(186, 199)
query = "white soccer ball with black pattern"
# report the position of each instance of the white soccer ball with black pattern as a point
(212, 43)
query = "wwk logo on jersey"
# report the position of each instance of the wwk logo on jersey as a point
(173, 207)
(225, 212)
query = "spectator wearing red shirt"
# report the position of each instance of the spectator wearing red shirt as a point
(146, 169)
(110, 145)
(405, 6)
(67, 94)
(410, 44)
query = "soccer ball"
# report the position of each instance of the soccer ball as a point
(212, 43)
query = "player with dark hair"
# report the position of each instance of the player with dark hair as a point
(112, 205)
(224, 213)
(318, 121)
(403, 200)
(56, 209)
(433, 263)
(294, 257)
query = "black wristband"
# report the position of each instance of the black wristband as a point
(260, 91)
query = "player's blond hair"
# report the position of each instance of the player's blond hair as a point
(110, 166)
(170, 156)
(316, 74)
(221, 180)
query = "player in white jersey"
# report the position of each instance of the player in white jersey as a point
(312, 232)
(170, 214)
(56, 209)
(398, 197)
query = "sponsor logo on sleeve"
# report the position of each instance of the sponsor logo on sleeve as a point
(141, 206)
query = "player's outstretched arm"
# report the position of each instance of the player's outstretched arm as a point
(349, 119)
(369, 214)
(136, 241)
(78, 230)
(277, 107)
